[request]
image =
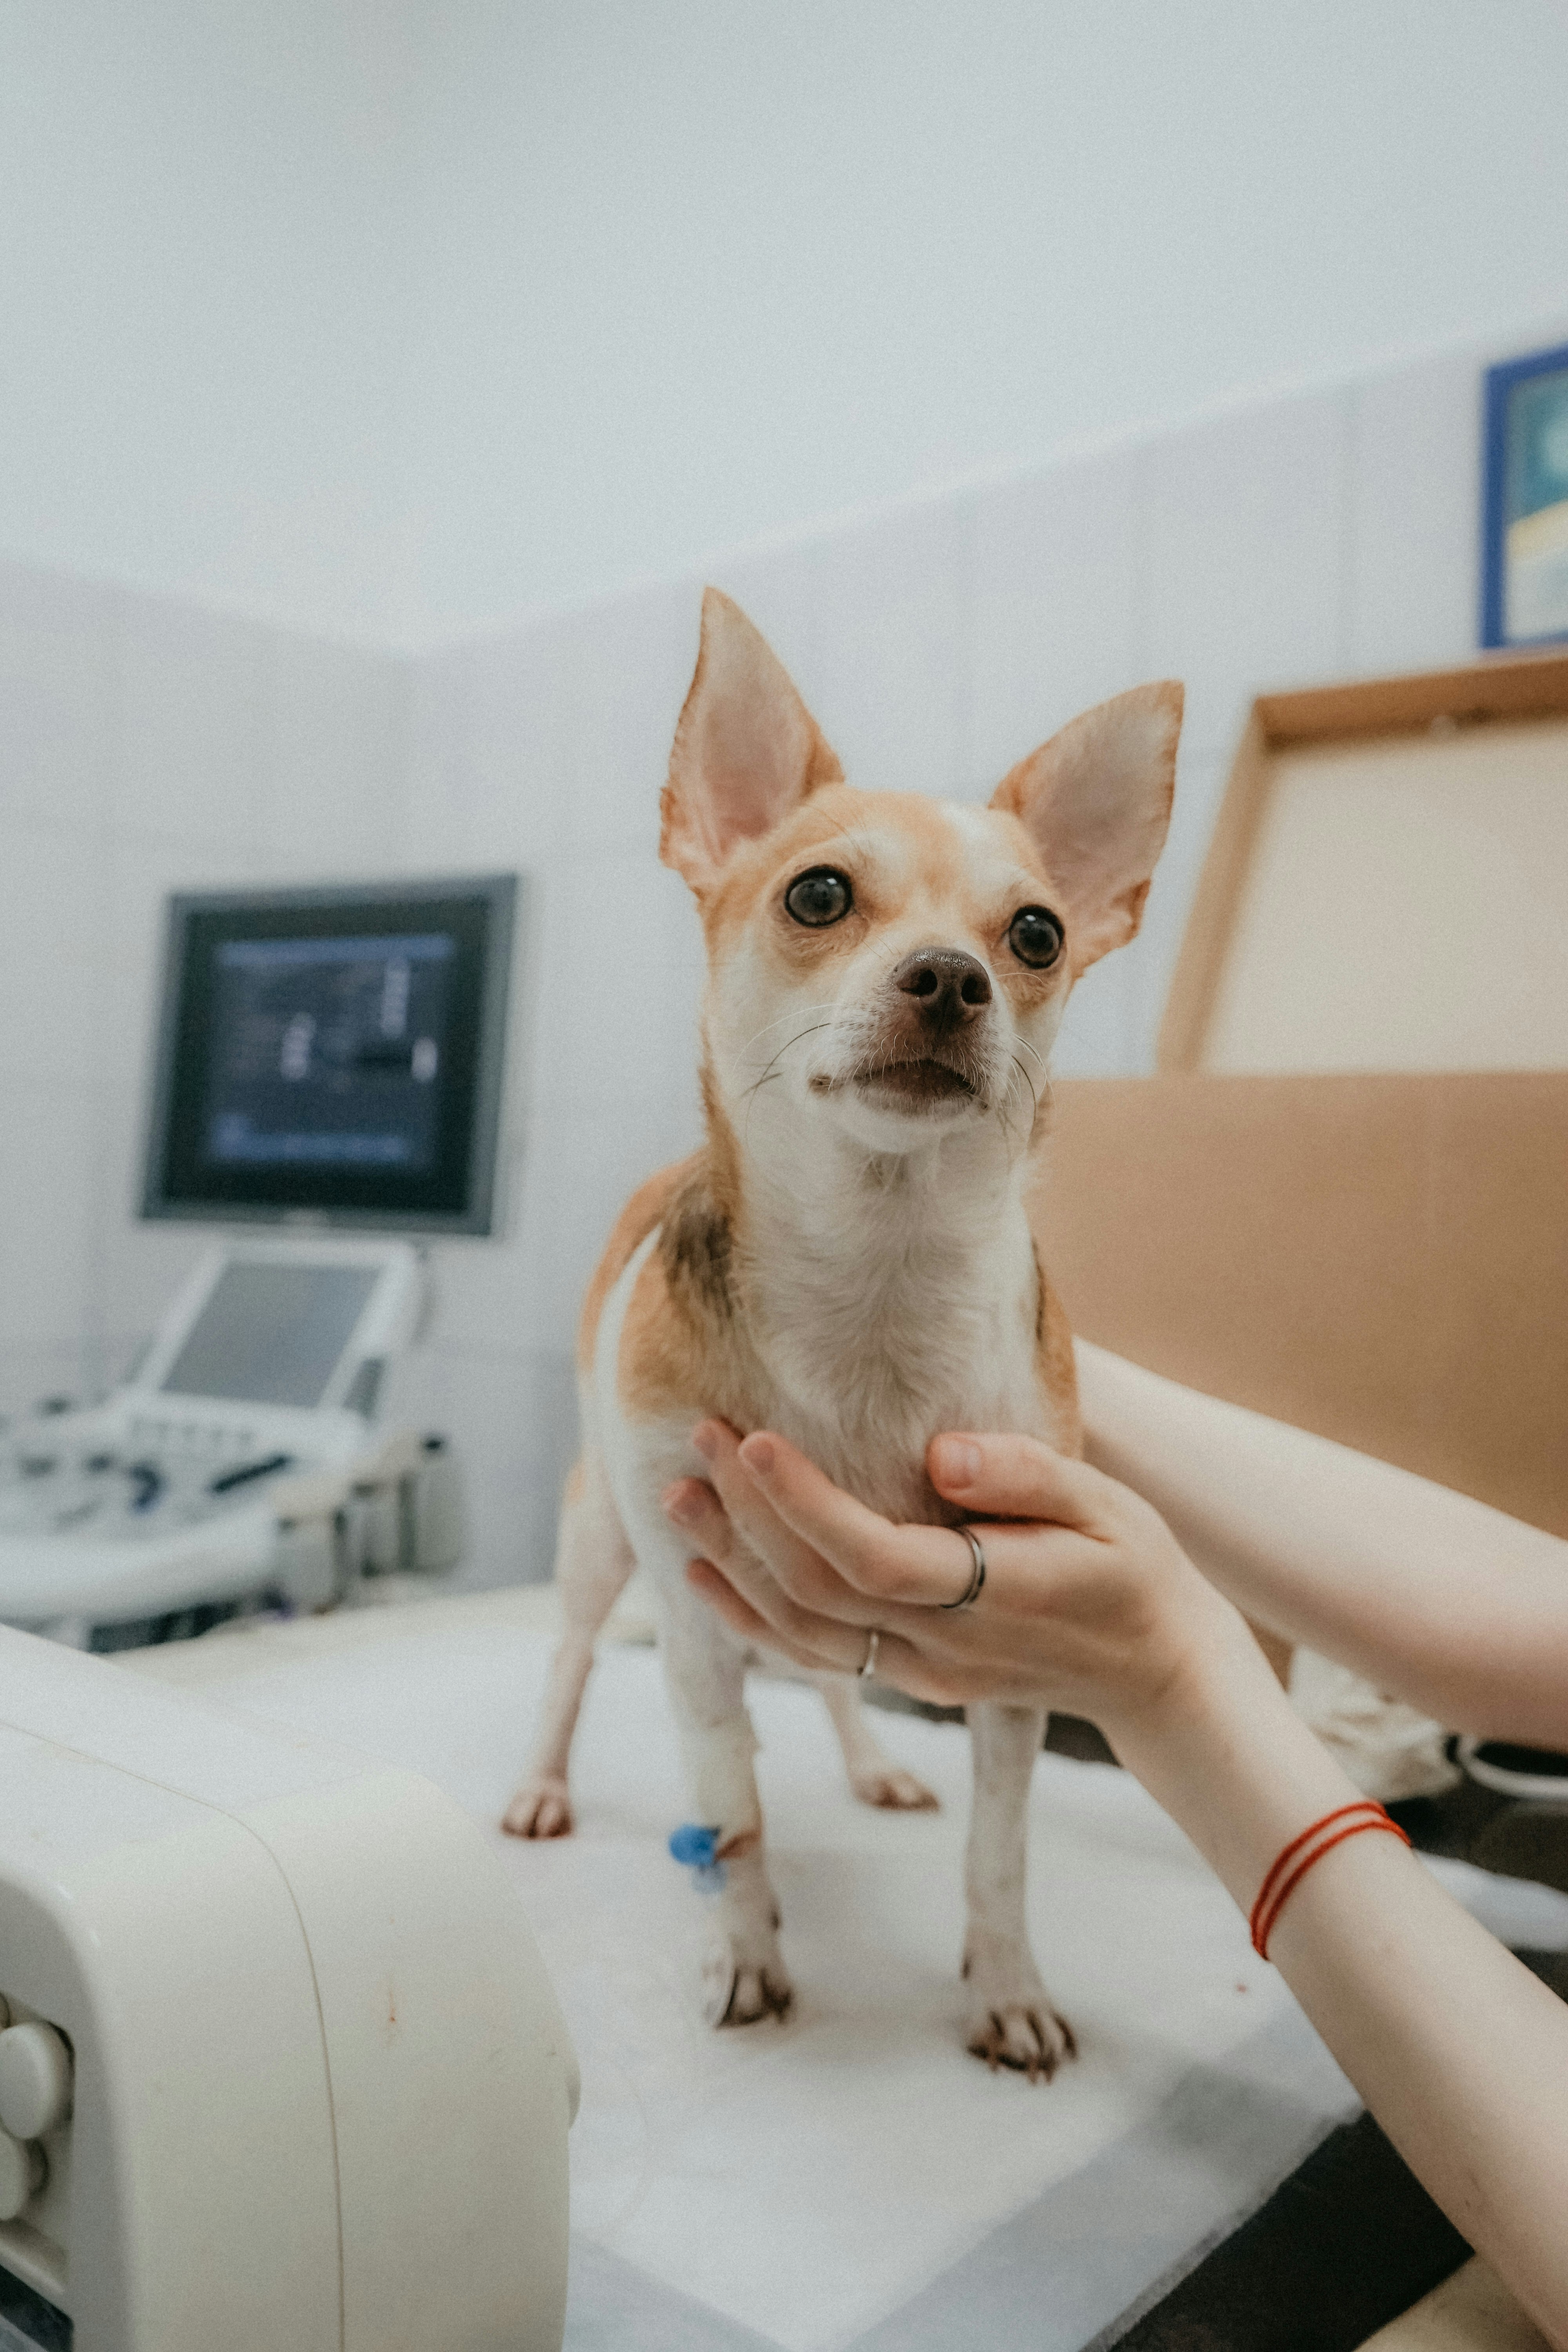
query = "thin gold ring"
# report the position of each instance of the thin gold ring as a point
(976, 1584)
(868, 1664)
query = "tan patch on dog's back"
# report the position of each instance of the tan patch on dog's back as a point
(632, 1227)
(683, 1346)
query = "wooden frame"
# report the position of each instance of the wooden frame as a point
(1485, 693)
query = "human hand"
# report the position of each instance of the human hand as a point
(1089, 1604)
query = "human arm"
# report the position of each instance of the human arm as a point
(1457, 2050)
(1457, 1608)
(1091, 1605)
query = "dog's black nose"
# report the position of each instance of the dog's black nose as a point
(948, 986)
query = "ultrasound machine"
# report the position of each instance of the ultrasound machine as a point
(327, 1081)
(279, 2063)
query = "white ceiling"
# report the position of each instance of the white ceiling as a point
(395, 319)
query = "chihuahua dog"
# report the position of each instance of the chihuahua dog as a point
(848, 1258)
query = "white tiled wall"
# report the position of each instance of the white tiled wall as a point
(543, 752)
(1413, 534)
(146, 746)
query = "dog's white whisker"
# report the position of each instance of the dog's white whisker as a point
(784, 1048)
(792, 1014)
(750, 1094)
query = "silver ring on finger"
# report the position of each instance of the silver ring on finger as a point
(976, 1584)
(868, 1664)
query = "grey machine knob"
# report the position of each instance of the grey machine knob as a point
(34, 2080)
(23, 2172)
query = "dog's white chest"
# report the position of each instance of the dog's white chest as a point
(864, 1396)
(861, 1358)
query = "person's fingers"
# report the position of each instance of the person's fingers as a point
(819, 1641)
(846, 1562)
(791, 1607)
(737, 1612)
(898, 1662)
(1011, 1477)
(881, 1561)
(692, 1506)
(806, 1575)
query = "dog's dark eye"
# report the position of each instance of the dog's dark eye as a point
(1035, 937)
(821, 897)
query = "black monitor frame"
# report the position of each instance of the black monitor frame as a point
(458, 1196)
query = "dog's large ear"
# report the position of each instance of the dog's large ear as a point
(1097, 799)
(747, 750)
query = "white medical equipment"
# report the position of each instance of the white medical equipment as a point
(239, 1457)
(331, 1056)
(280, 2068)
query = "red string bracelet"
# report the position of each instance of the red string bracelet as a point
(1281, 1880)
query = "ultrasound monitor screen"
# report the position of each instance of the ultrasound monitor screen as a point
(334, 1054)
(271, 1334)
(328, 1052)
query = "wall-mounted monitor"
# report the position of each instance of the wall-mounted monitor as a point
(333, 1055)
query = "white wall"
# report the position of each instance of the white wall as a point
(203, 235)
(694, 270)
(390, 317)
(146, 744)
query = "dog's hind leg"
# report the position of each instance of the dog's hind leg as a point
(873, 1775)
(1011, 2020)
(592, 1561)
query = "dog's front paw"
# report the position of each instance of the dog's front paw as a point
(1011, 2022)
(1032, 2040)
(540, 1809)
(739, 1990)
(743, 1974)
(894, 1790)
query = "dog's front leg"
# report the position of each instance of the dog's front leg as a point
(1011, 2021)
(745, 1976)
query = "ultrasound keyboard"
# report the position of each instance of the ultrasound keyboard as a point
(242, 1459)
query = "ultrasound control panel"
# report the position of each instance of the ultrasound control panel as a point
(130, 1478)
(172, 1492)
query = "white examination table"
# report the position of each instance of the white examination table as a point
(853, 2178)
